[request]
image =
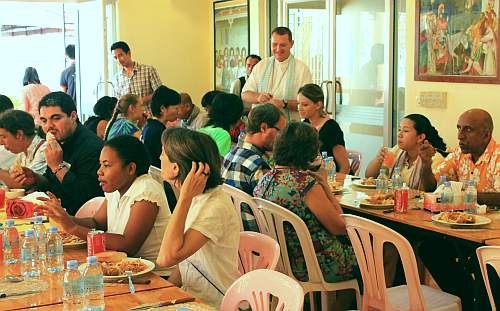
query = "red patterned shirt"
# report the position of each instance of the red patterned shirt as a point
(486, 171)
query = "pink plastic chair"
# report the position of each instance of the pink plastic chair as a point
(489, 255)
(90, 207)
(242, 197)
(257, 251)
(368, 238)
(275, 217)
(256, 287)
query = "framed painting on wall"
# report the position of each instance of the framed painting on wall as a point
(232, 41)
(457, 41)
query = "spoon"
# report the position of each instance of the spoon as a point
(131, 286)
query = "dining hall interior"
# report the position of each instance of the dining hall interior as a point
(249, 155)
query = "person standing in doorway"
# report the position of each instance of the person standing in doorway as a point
(68, 76)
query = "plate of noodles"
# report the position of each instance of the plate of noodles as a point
(460, 219)
(114, 264)
(365, 183)
(72, 241)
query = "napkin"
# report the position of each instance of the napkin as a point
(32, 197)
(456, 186)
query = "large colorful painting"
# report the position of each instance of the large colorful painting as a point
(231, 30)
(457, 41)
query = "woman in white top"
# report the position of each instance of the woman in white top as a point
(19, 135)
(203, 234)
(135, 212)
(32, 92)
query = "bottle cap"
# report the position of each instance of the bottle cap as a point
(472, 183)
(324, 154)
(9, 223)
(38, 220)
(53, 229)
(442, 178)
(29, 233)
(91, 260)
(72, 264)
(383, 171)
(447, 184)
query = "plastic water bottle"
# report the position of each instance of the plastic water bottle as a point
(41, 240)
(382, 181)
(447, 197)
(241, 136)
(397, 179)
(1, 242)
(442, 180)
(94, 285)
(73, 288)
(10, 246)
(330, 169)
(470, 198)
(54, 259)
(30, 263)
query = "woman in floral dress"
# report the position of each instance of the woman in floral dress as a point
(306, 193)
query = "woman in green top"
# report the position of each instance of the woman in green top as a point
(128, 111)
(226, 109)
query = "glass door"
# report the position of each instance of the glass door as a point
(363, 58)
(95, 32)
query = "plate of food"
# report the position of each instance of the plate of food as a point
(369, 182)
(378, 200)
(336, 187)
(460, 219)
(72, 241)
(114, 264)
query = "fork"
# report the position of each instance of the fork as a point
(131, 286)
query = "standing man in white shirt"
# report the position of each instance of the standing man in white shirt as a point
(134, 78)
(277, 79)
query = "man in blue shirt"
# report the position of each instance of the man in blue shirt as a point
(245, 164)
(68, 76)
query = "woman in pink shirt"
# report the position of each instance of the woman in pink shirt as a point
(32, 92)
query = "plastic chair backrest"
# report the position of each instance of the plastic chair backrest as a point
(489, 255)
(156, 174)
(239, 197)
(257, 286)
(275, 217)
(90, 207)
(257, 251)
(355, 157)
(368, 238)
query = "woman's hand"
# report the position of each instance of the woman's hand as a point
(52, 208)
(381, 154)
(195, 181)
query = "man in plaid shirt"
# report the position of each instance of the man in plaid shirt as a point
(141, 80)
(245, 164)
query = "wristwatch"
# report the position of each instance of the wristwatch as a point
(285, 104)
(59, 167)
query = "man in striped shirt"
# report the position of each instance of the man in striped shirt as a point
(141, 80)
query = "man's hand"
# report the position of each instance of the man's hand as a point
(426, 153)
(264, 98)
(53, 155)
(279, 103)
(24, 177)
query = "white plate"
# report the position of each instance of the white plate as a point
(359, 184)
(480, 221)
(149, 267)
(365, 203)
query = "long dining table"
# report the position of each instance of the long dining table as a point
(117, 295)
(418, 222)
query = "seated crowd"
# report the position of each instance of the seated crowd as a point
(197, 230)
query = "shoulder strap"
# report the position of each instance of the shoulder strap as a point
(205, 277)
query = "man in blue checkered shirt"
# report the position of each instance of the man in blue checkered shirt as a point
(134, 78)
(246, 164)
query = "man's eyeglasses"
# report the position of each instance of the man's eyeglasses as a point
(276, 128)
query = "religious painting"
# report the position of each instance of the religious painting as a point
(457, 41)
(231, 29)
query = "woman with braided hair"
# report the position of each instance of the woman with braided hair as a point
(414, 130)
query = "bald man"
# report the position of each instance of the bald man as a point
(478, 158)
